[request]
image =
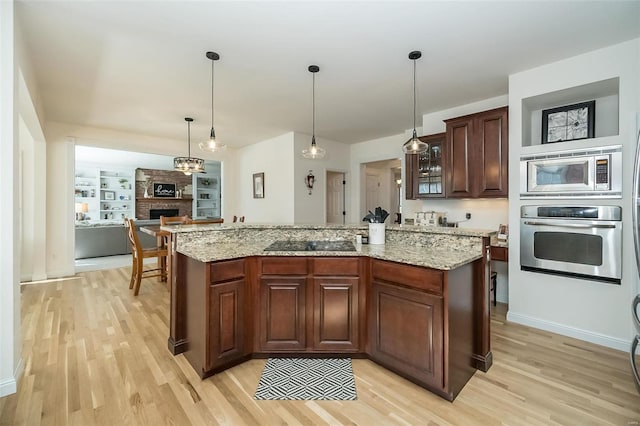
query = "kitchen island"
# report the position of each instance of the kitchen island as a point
(417, 305)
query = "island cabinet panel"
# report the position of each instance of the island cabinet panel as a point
(335, 313)
(226, 322)
(406, 332)
(215, 314)
(283, 313)
(411, 276)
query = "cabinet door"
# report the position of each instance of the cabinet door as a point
(459, 157)
(406, 332)
(226, 323)
(492, 139)
(425, 171)
(282, 313)
(335, 313)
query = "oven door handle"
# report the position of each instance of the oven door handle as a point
(571, 225)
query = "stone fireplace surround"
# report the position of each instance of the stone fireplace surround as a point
(183, 183)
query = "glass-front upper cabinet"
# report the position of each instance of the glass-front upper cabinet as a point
(425, 174)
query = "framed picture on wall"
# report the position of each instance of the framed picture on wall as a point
(569, 122)
(258, 185)
(164, 190)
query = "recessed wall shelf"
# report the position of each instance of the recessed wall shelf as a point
(607, 116)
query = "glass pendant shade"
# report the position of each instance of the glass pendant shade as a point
(188, 165)
(414, 145)
(313, 152)
(211, 144)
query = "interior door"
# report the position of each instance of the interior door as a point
(373, 192)
(335, 197)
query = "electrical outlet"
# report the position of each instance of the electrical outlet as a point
(468, 215)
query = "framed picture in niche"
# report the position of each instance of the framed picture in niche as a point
(109, 195)
(569, 122)
(164, 190)
(258, 185)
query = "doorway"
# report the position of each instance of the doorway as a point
(380, 187)
(336, 212)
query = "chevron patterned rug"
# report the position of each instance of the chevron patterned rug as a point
(307, 378)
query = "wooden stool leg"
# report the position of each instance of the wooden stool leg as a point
(138, 276)
(133, 271)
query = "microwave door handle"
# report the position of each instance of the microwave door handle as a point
(570, 225)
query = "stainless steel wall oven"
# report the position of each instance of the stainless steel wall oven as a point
(579, 241)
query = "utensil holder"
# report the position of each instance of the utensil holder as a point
(376, 233)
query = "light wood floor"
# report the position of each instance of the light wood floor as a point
(94, 354)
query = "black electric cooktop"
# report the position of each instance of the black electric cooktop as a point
(341, 245)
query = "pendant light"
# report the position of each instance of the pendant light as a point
(414, 145)
(189, 164)
(211, 144)
(314, 151)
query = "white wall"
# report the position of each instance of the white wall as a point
(274, 158)
(10, 361)
(311, 208)
(33, 191)
(588, 310)
(61, 139)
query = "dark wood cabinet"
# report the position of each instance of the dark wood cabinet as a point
(335, 311)
(425, 172)
(216, 314)
(283, 313)
(226, 322)
(309, 304)
(477, 155)
(421, 324)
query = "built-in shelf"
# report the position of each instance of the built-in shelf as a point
(189, 199)
(607, 116)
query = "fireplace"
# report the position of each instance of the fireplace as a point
(156, 213)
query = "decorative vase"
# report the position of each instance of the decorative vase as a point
(146, 193)
(376, 233)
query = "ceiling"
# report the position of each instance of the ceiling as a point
(140, 66)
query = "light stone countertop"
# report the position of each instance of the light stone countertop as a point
(364, 227)
(433, 247)
(431, 257)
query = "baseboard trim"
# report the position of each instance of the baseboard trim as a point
(565, 330)
(10, 386)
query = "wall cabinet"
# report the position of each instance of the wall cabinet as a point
(424, 172)
(477, 155)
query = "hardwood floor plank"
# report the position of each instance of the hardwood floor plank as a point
(94, 354)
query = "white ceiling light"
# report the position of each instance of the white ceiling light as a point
(314, 151)
(188, 164)
(414, 145)
(211, 144)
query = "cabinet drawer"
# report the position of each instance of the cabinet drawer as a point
(412, 276)
(500, 253)
(227, 270)
(283, 266)
(331, 266)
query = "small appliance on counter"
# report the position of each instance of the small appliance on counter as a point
(430, 218)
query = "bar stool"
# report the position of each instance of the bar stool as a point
(494, 285)
(138, 254)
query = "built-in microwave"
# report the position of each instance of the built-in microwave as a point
(583, 173)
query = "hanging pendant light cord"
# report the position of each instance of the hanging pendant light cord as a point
(313, 111)
(414, 96)
(189, 139)
(212, 80)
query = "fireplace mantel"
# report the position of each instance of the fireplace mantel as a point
(160, 199)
